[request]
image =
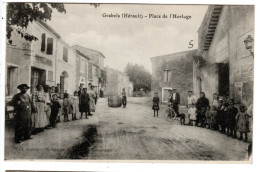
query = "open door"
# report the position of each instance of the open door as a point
(223, 78)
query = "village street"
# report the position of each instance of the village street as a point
(126, 134)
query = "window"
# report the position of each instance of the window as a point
(65, 54)
(49, 46)
(90, 72)
(82, 65)
(50, 76)
(167, 75)
(43, 42)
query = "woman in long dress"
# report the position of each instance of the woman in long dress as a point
(92, 96)
(39, 118)
(23, 107)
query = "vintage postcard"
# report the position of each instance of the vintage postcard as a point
(129, 82)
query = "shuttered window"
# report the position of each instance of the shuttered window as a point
(43, 42)
(65, 54)
(49, 46)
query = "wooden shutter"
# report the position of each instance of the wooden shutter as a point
(43, 42)
(49, 46)
(65, 54)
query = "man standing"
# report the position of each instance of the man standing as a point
(175, 100)
(23, 106)
(124, 98)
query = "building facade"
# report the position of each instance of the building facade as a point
(81, 69)
(222, 64)
(116, 81)
(33, 62)
(172, 71)
(95, 65)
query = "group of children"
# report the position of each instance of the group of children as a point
(225, 118)
(222, 116)
(67, 106)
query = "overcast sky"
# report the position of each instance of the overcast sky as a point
(124, 40)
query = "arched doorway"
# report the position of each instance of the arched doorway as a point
(64, 81)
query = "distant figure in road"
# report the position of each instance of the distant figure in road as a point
(55, 107)
(23, 106)
(124, 97)
(96, 95)
(156, 101)
(101, 93)
(84, 103)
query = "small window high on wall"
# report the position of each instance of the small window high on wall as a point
(49, 46)
(43, 42)
(65, 54)
(167, 75)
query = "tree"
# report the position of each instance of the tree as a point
(140, 77)
(19, 15)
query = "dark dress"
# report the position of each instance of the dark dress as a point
(156, 103)
(84, 102)
(55, 107)
(23, 108)
(202, 102)
(230, 117)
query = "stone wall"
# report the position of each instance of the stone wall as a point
(181, 66)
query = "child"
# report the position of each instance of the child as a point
(75, 105)
(213, 116)
(156, 101)
(193, 114)
(242, 122)
(207, 117)
(230, 119)
(55, 107)
(66, 107)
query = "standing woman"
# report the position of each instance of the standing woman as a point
(202, 104)
(39, 118)
(23, 107)
(92, 96)
(84, 103)
(47, 105)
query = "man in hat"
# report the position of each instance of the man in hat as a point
(124, 97)
(23, 107)
(175, 100)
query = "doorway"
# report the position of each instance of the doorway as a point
(64, 82)
(11, 80)
(223, 79)
(38, 76)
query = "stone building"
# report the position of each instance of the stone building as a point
(95, 65)
(33, 62)
(81, 69)
(223, 64)
(172, 70)
(116, 81)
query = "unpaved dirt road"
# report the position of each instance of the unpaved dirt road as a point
(130, 133)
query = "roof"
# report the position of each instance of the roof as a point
(49, 28)
(81, 54)
(167, 55)
(209, 25)
(93, 55)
